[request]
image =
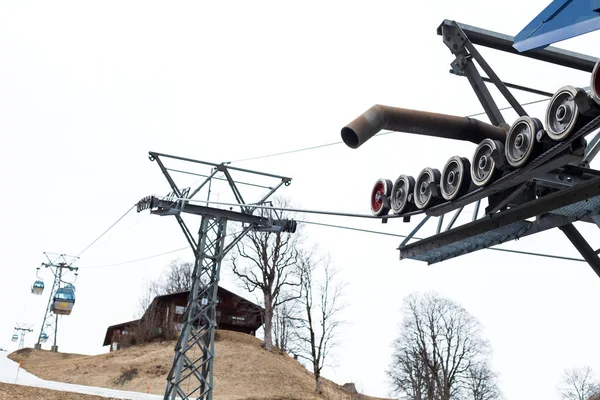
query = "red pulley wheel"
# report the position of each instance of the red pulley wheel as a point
(383, 187)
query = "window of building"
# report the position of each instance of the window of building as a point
(179, 309)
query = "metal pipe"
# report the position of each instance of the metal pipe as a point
(397, 119)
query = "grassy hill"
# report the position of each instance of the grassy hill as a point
(243, 370)
(19, 392)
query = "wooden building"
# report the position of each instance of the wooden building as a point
(164, 319)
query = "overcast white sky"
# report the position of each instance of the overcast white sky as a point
(89, 88)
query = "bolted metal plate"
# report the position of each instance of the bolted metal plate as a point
(474, 243)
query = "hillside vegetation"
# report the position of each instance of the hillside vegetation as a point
(243, 370)
(19, 392)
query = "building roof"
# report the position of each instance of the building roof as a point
(167, 297)
(111, 328)
(219, 289)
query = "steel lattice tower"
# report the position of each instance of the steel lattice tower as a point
(23, 330)
(200, 321)
(191, 375)
(50, 321)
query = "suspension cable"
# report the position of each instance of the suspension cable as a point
(106, 231)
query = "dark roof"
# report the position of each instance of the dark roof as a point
(219, 289)
(111, 328)
(166, 297)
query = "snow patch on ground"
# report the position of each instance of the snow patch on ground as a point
(11, 373)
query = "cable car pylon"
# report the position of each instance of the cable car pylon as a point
(191, 375)
(61, 299)
(23, 330)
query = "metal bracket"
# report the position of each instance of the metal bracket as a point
(501, 201)
(455, 39)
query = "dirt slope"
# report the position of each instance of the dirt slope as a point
(18, 392)
(243, 370)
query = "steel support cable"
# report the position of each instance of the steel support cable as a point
(332, 213)
(379, 134)
(106, 231)
(148, 257)
(414, 237)
(254, 205)
(137, 259)
(351, 229)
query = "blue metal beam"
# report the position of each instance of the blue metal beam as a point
(561, 20)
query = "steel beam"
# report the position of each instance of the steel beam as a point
(164, 205)
(499, 41)
(533, 208)
(457, 41)
(495, 78)
(591, 150)
(512, 85)
(582, 246)
(154, 155)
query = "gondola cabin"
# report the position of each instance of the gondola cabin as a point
(37, 287)
(15, 337)
(43, 337)
(63, 301)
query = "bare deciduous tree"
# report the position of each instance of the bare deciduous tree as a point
(410, 377)
(177, 277)
(284, 324)
(266, 261)
(481, 383)
(319, 321)
(438, 352)
(150, 291)
(579, 384)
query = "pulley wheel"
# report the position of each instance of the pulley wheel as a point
(521, 144)
(483, 167)
(456, 178)
(562, 114)
(425, 194)
(383, 187)
(595, 83)
(403, 186)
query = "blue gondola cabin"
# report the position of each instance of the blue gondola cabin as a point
(63, 301)
(37, 288)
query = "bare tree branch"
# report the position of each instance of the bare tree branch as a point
(440, 354)
(579, 384)
(266, 262)
(320, 301)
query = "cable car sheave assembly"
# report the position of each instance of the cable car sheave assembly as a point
(536, 167)
(191, 374)
(62, 295)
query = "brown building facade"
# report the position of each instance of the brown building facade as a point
(164, 319)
